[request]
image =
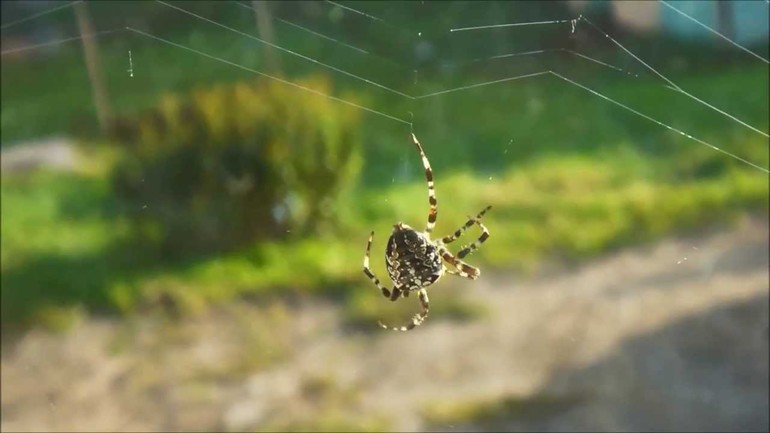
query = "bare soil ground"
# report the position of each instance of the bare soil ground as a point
(666, 337)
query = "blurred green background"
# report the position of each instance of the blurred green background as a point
(204, 182)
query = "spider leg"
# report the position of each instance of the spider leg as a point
(468, 224)
(370, 274)
(431, 190)
(473, 246)
(418, 318)
(463, 269)
(396, 294)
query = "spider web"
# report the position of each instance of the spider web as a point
(412, 78)
(396, 81)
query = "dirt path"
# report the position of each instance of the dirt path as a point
(667, 337)
(52, 152)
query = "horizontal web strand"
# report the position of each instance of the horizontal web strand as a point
(312, 32)
(355, 11)
(495, 26)
(38, 15)
(329, 38)
(606, 98)
(575, 53)
(219, 59)
(671, 83)
(671, 128)
(286, 50)
(58, 41)
(472, 86)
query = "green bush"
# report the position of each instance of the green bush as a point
(232, 164)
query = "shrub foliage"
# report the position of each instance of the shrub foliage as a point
(232, 164)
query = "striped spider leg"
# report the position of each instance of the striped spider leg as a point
(414, 261)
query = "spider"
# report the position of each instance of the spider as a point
(414, 261)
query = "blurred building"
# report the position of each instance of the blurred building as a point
(745, 22)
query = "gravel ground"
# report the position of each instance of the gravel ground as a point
(666, 337)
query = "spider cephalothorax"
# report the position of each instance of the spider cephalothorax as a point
(414, 261)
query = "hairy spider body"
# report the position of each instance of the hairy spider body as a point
(414, 261)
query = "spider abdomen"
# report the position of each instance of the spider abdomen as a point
(412, 260)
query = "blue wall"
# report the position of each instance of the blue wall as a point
(750, 23)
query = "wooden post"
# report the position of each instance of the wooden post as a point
(91, 53)
(266, 33)
(725, 18)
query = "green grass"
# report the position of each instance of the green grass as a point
(570, 176)
(63, 248)
(493, 413)
(52, 94)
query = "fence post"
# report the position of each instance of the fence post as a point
(725, 18)
(91, 53)
(265, 28)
